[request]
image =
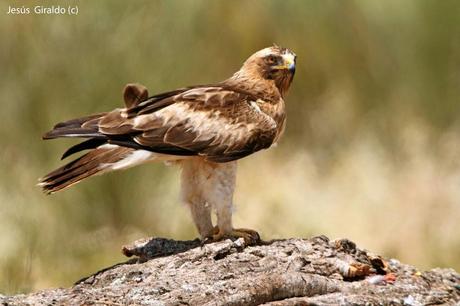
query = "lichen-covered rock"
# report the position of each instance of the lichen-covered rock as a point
(283, 272)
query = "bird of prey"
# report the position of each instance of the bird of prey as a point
(205, 129)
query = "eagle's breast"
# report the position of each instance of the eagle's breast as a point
(277, 111)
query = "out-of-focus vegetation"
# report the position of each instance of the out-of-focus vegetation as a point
(371, 151)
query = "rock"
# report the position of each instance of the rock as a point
(283, 272)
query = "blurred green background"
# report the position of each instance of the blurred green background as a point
(371, 151)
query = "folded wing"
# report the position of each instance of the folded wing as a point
(216, 123)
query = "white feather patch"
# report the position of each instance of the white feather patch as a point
(108, 146)
(135, 158)
(288, 58)
(256, 106)
(265, 52)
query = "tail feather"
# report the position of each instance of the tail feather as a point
(94, 162)
(104, 155)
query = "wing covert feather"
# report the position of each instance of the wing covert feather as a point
(218, 124)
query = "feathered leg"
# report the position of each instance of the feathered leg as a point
(222, 186)
(192, 193)
(207, 185)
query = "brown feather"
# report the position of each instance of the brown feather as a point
(133, 94)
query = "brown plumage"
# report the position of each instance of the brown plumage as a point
(217, 123)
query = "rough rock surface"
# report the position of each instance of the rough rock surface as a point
(284, 272)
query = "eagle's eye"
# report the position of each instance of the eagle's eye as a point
(271, 59)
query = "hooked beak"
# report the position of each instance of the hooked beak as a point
(288, 62)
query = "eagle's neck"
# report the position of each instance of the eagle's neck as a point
(252, 82)
(271, 96)
(255, 79)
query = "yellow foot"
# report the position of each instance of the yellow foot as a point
(250, 237)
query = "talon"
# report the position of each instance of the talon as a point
(250, 237)
(215, 231)
(212, 237)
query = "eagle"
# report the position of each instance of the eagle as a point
(204, 129)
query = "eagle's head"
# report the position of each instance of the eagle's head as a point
(275, 64)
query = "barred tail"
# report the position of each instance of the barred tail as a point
(97, 161)
(102, 157)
